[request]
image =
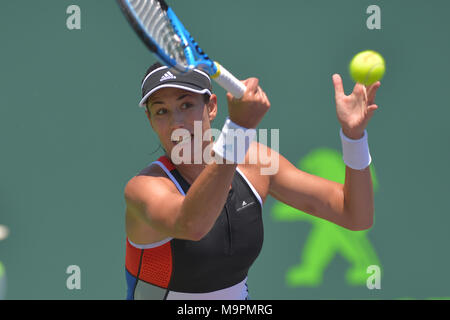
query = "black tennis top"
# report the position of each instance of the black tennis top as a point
(221, 259)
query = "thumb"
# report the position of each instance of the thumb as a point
(338, 86)
(372, 107)
(229, 97)
(371, 110)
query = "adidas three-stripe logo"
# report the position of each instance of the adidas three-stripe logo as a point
(167, 76)
(245, 205)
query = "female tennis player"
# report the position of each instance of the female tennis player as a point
(195, 229)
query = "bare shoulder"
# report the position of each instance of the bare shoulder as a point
(151, 178)
(144, 191)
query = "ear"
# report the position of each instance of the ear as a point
(212, 107)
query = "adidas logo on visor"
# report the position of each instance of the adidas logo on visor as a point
(167, 76)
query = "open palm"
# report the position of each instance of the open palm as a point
(354, 111)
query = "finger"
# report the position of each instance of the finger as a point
(372, 91)
(260, 92)
(371, 110)
(360, 92)
(264, 94)
(252, 85)
(338, 86)
(265, 99)
(259, 95)
(364, 89)
(230, 97)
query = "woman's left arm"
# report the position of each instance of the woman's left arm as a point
(354, 113)
(350, 205)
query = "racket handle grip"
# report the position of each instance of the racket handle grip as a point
(229, 82)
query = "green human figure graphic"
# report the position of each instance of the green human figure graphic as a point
(327, 239)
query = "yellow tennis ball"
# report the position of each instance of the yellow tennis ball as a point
(367, 67)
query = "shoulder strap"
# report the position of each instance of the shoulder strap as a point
(173, 174)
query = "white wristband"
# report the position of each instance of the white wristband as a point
(233, 142)
(356, 153)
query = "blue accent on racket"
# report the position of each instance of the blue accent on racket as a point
(164, 34)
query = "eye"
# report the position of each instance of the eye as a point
(186, 105)
(160, 111)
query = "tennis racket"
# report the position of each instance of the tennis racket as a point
(164, 34)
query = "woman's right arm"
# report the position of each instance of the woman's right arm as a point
(157, 201)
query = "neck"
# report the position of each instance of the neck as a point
(190, 172)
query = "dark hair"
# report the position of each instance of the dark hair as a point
(157, 65)
(154, 66)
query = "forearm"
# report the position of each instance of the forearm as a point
(358, 189)
(208, 194)
(358, 198)
(206, 198)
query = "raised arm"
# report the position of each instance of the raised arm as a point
(350, 205)
(157, 202)
(354, 113)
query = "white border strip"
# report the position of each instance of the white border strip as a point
(170, 176)
(238, 291)
(203, 73)
(150, 245)
(165, 67)
(160, 68)
(203, 91)
(251, 186)
(164, 241)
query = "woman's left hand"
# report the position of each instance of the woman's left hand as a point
(354, 111)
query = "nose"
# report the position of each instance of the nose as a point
(177, 120)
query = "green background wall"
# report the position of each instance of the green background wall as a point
(72, 135)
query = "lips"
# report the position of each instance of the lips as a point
(182, 139)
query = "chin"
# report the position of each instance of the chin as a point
(178, 157)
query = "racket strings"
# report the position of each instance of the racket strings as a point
(157, 24)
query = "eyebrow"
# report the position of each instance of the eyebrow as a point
(183, 96)
(155, 102)
(179, 98)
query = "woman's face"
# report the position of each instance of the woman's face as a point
(173, 108)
